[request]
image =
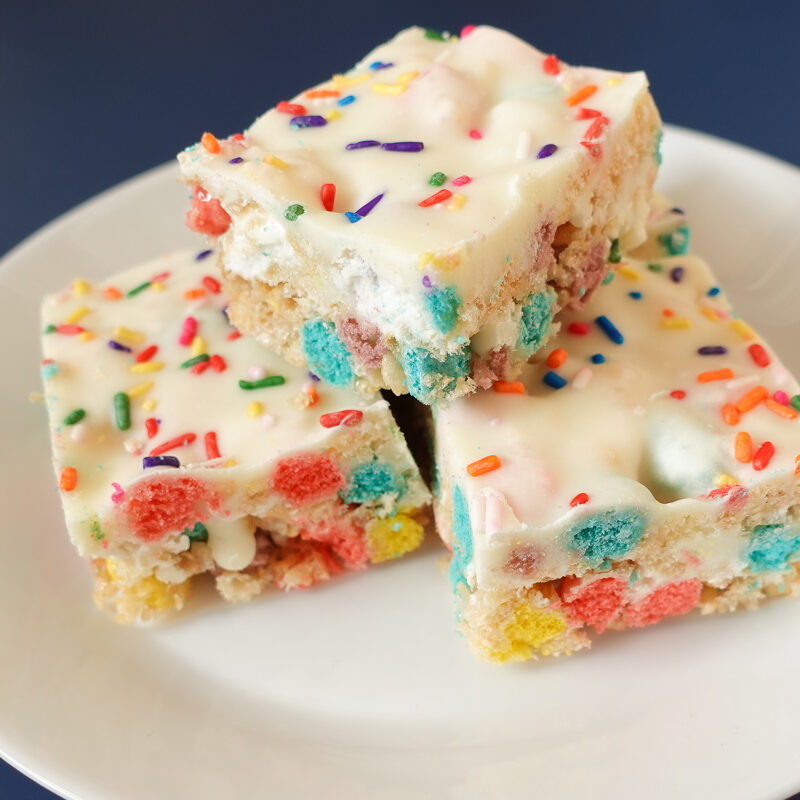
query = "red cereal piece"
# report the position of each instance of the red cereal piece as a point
(348, 417)
(578, 328)
(594, 603)
(556, 358)
(217, 363)
(307, 478)
(295, 109)
(207, 214)
(580, 499)
(212, 284)
(151, 426)
(669, 600)
(759, 355)
(146, 354)
(763, 456)
(344, 538)
(212, 449)
(327, 194)
(550, 65)
(171, 444)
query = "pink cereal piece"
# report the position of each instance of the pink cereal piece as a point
(188, 331)
(669, 600)
(344, 538)
(307, 478)
(595, 603)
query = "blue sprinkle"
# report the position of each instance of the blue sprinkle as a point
(352, 216)
(237, 160)
(547, 151)
(345, 101)
(362, 144)
(712, 350)
(376, 65)
(203, 254)
(554, 380)
(598, 358)
(609, 329)
(713, 291)
(308, 121)
(676, 274)
(160, 461)
(367, 207)
(635, 295)
(117, 346)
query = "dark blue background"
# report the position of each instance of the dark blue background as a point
(93, 92)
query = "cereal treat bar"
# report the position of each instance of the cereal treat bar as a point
(415, 223)
(183, 448)
(643, 467)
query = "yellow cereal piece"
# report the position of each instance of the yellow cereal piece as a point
(127, 335)
(149, 405)
(391, 537)
(456, 201)
(254, 409)
(743, 330)
(723, 479)
(198, 346)
(81, 287)
(528, 629)
(389, 88)
(676, 322)
(332, 115)
(627, 272)
(140, 389)
(407, 77)
(147, 366)
(86, 336)
(274, 161)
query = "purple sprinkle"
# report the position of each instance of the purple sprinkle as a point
(160, 461)
(547, 151)
(676, 274)
(237, 160)
(426, 282)
(359, 145)
(403, 147)
(376, 65)
(225, 314)
(677, 210)
(314, 377)
(308, 121)
(117, 346)
(203, 254)
(367, 207)
(712, 350)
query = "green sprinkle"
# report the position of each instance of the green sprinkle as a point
(196, 360)
(615, 253)
(795, 401)
(96, 530)
(140, 288)
(655, 267)
(432, 34)
(437, 179)
(122, 411)
(198, 533)
(608, 278)
(293, 212)
(74, 416)
(270, 380)
(50, 329)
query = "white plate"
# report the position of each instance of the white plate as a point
(361, 689)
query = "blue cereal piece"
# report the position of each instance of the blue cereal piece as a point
(675, 243)
(325, 352)
(536, 321)
(370, 480)
(442, 305)
(462, 540)
(609, 534)
(771, 547)
(425, 374)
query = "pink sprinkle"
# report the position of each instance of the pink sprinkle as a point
(460, 181)
(188, 332)
(117, 494)
(781, 397)
(473, 134)
(466, 31)
(493, 522)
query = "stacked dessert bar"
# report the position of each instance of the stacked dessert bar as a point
(469, 221)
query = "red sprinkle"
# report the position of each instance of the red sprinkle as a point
(550, 65)
(595, 150)
(678, 394)
(160, 278)
(151, 426)
(763, 455)
(439, 197)
(578, 328)
(212, 284)
(238, 137)
(69, 330)
(759, 355)
(474, 134)
(200, 367)
(171, 444)
(147, 354)
(295, 109)
(212, 451)
(349, 417)
(327, 194)
(579, 500)
(217, 363)
(586, 113)
(596, 128)
(461, 180)
(233, 336)
(466, 31)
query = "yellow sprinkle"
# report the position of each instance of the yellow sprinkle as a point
(198, 346)
(78, 313)
(333, 114)
(407, 77)
(140, 389)
(156, 286)
(274, 161)
(456, 201)
(447, 259)
(723, 479)
(629, 273)
(126, 335)
(149, 405)
(676, 322)
(743, 329)
(709, 313)
(254, 409)
(613, 81)
(147, 366)
(346, 81)
(81, 287)
(425, 259)
(389, 88)
(231, 462)
(86, 336)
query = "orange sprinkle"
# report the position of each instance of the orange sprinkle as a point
(667, 312)
(715, 375)
(210, 142)
(313, 397)
(312, 93)
(751, 399)
(483, 465)
(582, 94)
(509, 387)
(730, 414)
(194, 294)
(557, 358)
(110, 293)
(69, 479)
(743, 447)
(787, 412)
